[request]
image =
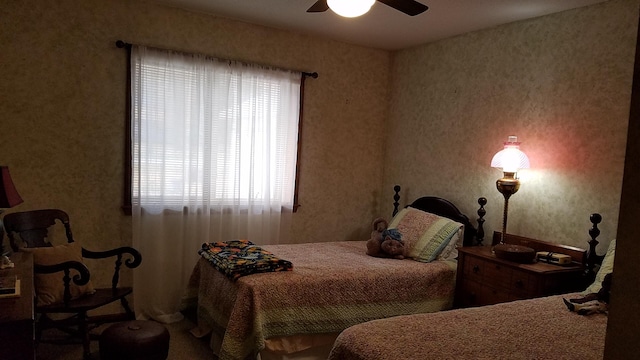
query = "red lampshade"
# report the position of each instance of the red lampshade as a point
(9, 196)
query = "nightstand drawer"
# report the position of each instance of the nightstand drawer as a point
(522, 284)
(496, 274)
(474, 269)
(499, 276)
(470, 294)
(492, 273)
(493, 295)
(477, 294)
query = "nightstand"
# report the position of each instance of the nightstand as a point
(17, 329)
(483, 279)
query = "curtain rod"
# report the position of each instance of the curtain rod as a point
(121, 44)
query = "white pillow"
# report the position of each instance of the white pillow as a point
(605, 268)
(451, 251)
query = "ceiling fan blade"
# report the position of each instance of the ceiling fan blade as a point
(409, 7)
(319, 6)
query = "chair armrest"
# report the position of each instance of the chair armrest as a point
(131, 263)
(134, 262)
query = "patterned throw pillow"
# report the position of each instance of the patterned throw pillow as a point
(425, 235)
(49, 287)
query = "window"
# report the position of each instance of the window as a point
(211, 133)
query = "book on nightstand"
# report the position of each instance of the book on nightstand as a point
(553, 258)
(9, 286)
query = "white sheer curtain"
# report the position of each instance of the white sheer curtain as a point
(214, 146)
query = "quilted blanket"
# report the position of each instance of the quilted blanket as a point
(334, 285)
(539, 328)
(237, 258)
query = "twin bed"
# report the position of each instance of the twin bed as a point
(339, 300)
(332, 286)
(540, 328)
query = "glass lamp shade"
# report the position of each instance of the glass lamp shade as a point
(510, 159)
(9, 196)
(350, 8)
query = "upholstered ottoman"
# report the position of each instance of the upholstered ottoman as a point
(134, 340)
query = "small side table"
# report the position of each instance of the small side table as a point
(17, 324)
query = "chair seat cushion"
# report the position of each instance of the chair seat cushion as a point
(134, 340)
(88, 302)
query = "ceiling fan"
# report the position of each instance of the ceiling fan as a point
(409, 7)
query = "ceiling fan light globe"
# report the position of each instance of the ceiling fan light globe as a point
(350, 8)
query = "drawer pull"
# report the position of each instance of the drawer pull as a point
(476, 269)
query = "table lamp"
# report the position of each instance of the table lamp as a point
(510, 160)
(9, 198)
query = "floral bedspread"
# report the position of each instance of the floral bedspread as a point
(334, 285)
(540, 328)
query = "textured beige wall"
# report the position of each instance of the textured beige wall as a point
(561, 83)
(558, 82)
(63, 110)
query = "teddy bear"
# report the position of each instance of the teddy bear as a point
(385, 242)
(392, 244)
(374, 242)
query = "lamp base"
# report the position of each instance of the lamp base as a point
(516, 253)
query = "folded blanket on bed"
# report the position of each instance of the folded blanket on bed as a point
(237, 258)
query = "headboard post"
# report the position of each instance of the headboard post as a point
(481, 213)
(396, 198)
(592, 257)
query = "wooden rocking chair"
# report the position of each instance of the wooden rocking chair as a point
(28, 231)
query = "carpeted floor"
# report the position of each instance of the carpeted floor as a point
(182, 345)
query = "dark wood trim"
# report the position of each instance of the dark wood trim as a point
(396, 199)
(126, 199)
(296, 203)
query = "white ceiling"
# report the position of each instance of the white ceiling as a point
(382, 27)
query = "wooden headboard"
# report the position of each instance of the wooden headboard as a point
(441, 207)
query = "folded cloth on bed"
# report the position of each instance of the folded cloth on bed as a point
(237, 258)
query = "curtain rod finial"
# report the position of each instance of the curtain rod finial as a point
(121, 44)
(313, 74)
